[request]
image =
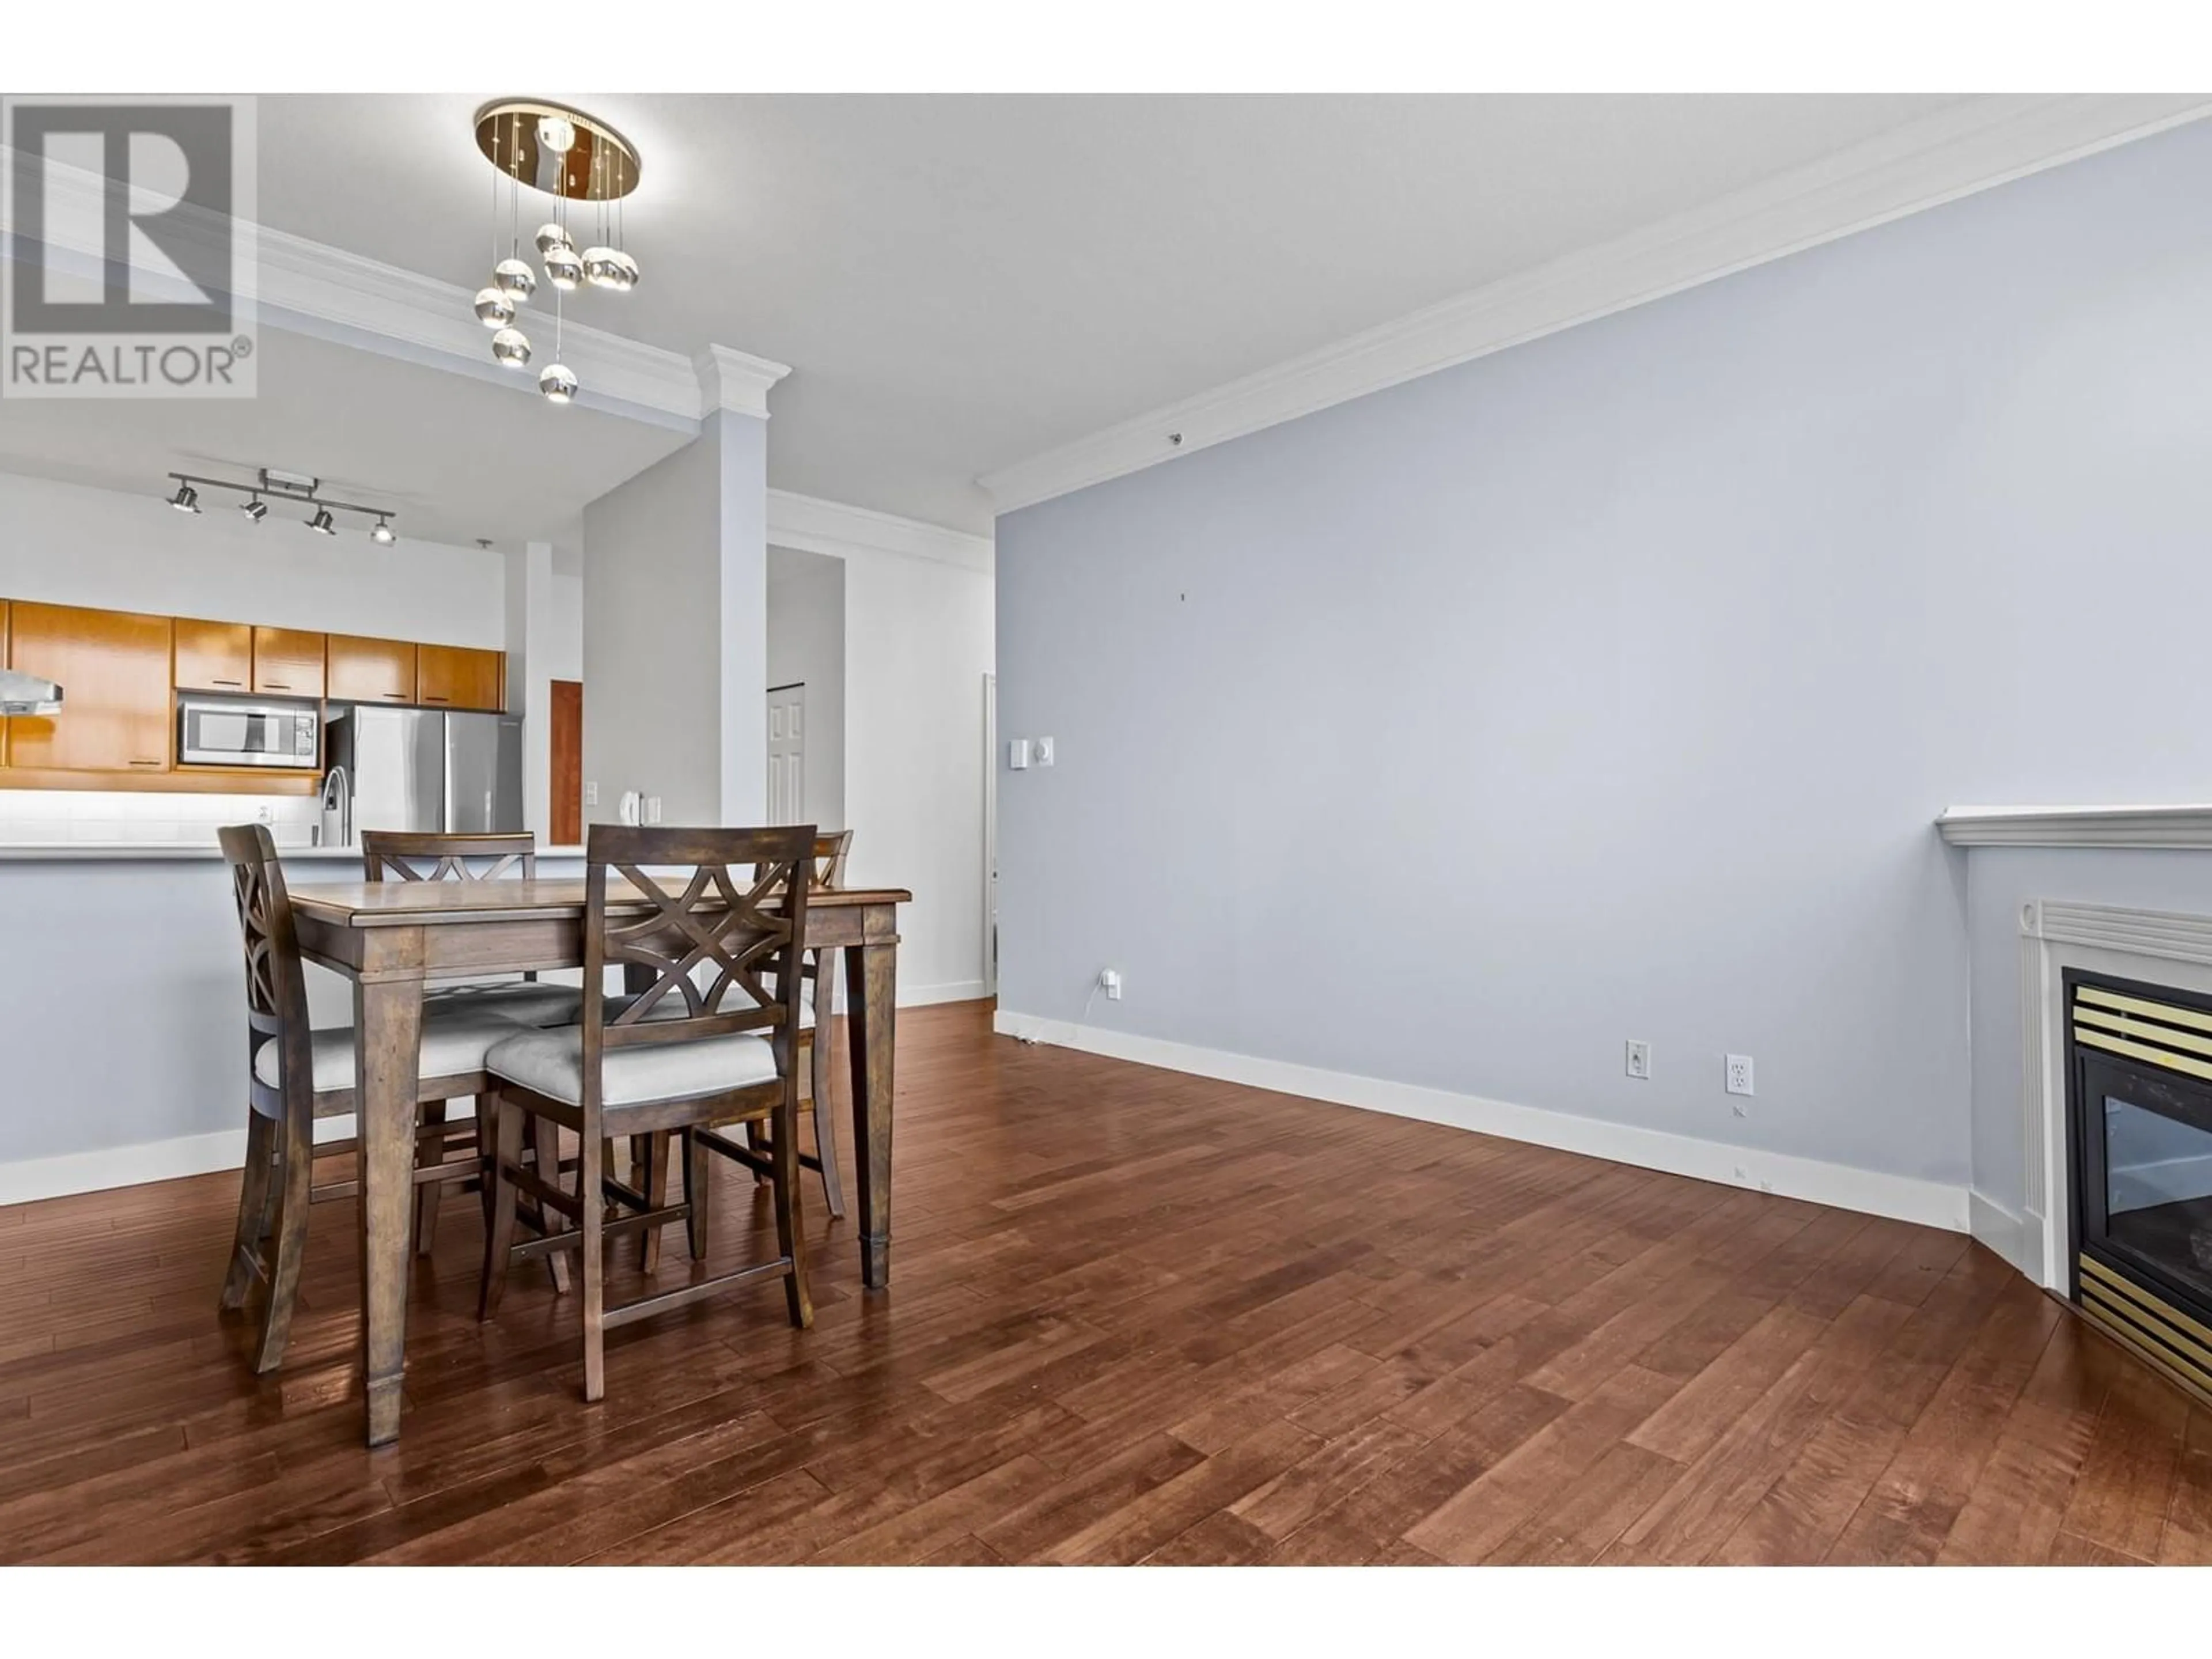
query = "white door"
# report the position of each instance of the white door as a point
(786, 755)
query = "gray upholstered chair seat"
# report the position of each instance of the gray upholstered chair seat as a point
(551, 1064)
(528, 1002)
(453, 1046)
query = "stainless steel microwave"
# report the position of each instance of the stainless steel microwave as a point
(211, 733)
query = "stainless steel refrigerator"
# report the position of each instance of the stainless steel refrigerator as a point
(423, 768)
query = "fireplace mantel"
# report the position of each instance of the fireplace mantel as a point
(2178, 828)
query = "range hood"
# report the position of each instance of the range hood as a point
(27, 694)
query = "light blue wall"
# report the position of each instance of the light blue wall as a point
(1605, 687)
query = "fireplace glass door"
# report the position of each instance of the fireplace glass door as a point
(2155, 1178)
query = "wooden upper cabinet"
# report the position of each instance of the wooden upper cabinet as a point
(214, 656)
(118, 701)
(455, 676)
(3, 658)
(288, 662)
(370, 671)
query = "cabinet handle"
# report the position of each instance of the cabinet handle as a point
(394, 695)
(277, 685)
(149, 763)
(437, 700)
(227, 681)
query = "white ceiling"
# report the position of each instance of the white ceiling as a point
(959, 282)
(451, 454)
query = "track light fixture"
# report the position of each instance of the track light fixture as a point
(283, 487)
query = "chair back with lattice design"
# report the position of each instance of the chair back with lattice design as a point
(417, 856)
(720, 938)
(830, 846)
(276, 984)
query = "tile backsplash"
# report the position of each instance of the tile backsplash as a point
(95, 817)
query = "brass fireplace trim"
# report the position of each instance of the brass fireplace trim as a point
(2156, 1033)
(2160, 1333)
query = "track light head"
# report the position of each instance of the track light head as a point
(255, 510)
(382, 535)
(323, 522)
(187, 499)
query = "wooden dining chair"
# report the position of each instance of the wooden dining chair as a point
(296, 1074)
(674, 1056)
(466, 855)
(816, 1040)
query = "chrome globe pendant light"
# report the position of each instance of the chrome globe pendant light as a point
(571, 156)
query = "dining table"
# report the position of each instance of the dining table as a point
(391, 938)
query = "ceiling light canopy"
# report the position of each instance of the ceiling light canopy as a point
(572, 157)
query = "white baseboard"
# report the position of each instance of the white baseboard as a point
(2004, 1231)
(33, 1179)
(925, 996)
(1906, 1198)
(120, 1166)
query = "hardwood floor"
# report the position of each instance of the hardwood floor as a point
(1134, 1317)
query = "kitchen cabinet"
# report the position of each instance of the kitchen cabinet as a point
(455, 676)
(288, 662)
(3, 658)
(370, 671)
(119, 696)
(214, 656)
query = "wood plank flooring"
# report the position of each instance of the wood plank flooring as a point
(1135, 1316)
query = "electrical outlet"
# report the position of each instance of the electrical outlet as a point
(1110, 980)
(1739, 1077)
(591, 794)
(1639, 1059)
(652, 809)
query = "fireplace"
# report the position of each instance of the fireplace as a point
(2139, 1096)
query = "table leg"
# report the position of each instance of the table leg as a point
(388, 1022)
(871, 999)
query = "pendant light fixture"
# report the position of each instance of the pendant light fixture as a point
(572, 157)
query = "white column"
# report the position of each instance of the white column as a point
(675, 614)
(735, 385)
(530, 651)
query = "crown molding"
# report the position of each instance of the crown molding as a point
(735, 381)
(813, 525)
(1923, 164)
(304, 287)
(2172, 828)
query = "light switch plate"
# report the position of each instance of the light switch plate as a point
(1044, 751)
(1017, 755)
(591, 794)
